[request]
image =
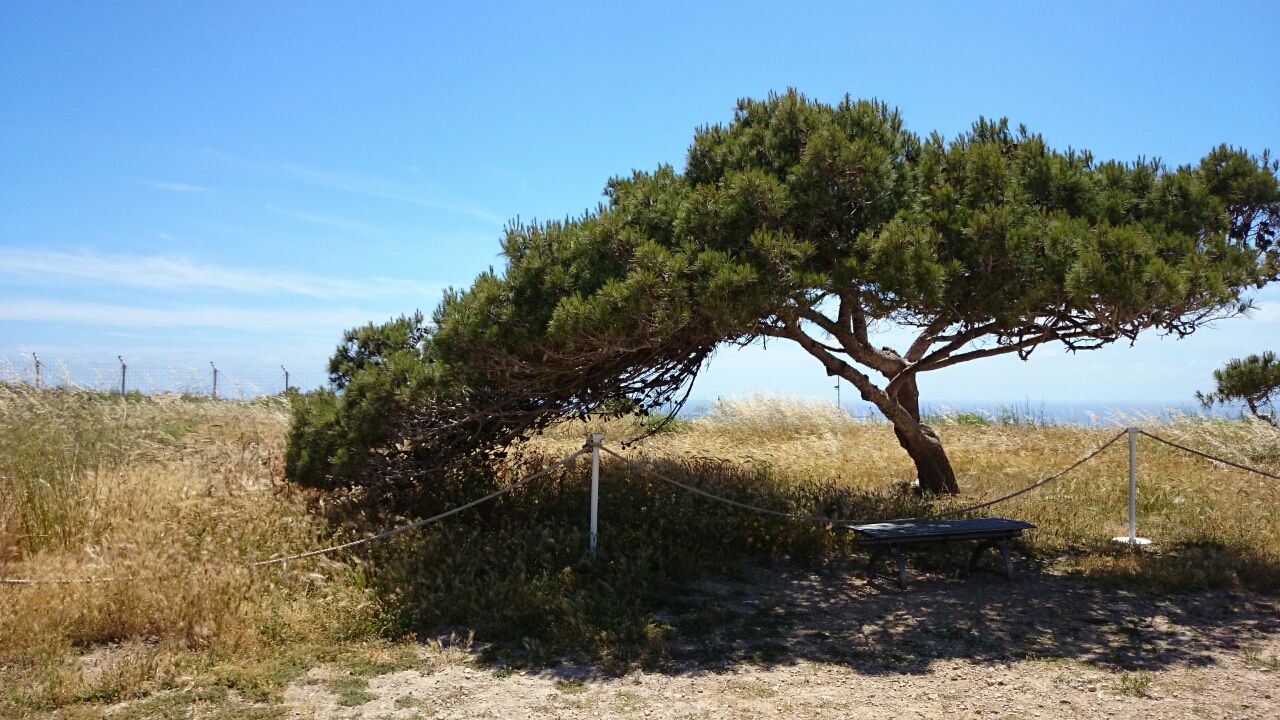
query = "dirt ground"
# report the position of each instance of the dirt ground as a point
(786, 642)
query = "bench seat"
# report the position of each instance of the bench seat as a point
(890, 537)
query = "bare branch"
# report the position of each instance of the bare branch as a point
(885, 364)
(867, 389)
(926, 338)
(1020, 347)
(853, 315)
(956, 341)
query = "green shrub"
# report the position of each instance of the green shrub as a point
(316, 437)
(377, 373)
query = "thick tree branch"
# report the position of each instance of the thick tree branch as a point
(896, 414)
(956, 341)
(883, 363)
(1017, 347)
(926, 339)
(854, 316)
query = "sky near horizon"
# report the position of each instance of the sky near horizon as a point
(243, 181)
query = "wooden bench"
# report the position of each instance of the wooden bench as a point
(891, 537)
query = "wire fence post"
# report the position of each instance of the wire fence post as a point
(594, 440)
(36, 359)
(215, 379)
(124, 369)
(286, 378)
(1132, 538)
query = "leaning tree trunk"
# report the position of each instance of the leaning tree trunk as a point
(901, 406)
(933, 468)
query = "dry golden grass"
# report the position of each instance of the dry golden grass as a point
(176, 495)
(1214, 526)
(180, 493)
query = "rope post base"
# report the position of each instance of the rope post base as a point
(1132, 538)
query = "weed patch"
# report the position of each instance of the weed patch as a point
(1136, 684)
(1254, 658)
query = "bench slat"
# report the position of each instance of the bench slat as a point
(921, 530)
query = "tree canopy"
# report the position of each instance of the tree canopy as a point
(812, 223)
(1253, 381)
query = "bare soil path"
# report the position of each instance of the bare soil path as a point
(787, 642)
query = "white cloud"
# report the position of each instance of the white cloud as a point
(240, 319)
(1268, 313)
(171, 273)
(178, 187)
(362, 184)
(386, 190)
(337, 222)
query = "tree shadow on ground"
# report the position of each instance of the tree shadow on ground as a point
(517, 573)
(784, 614)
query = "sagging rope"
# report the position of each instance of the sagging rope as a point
(563, 462)
(568, 459)
(1032, 486)
(823, 519)
(1207, 456)
(698, 491)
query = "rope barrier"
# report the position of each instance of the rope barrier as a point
(725, 500)
(1032, 486)
(422, 523)
(565, 461)
(833, 521)
(1207, 456)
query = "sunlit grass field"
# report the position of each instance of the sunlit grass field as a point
(170, 497)
(1216, 526)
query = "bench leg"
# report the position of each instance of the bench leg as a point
(871, 564)
(901, 562)
(977, 553)
(1001, 545)
(1008, 561)
(898, 560)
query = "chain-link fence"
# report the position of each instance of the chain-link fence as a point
(209, 378)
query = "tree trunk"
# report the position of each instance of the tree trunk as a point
(902, 408)
(933, 468)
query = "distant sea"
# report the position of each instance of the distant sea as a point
(1032, 412)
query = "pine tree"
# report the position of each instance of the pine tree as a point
(812, 223)
(1254, 381)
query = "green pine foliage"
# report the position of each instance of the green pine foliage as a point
(1253, 381)
(808, 222)
(379, 373)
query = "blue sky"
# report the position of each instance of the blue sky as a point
(242, 181)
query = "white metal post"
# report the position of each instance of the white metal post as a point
(36, 358)
(1132, 538)
(123, 370)
(594, 440)
(215, 379)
